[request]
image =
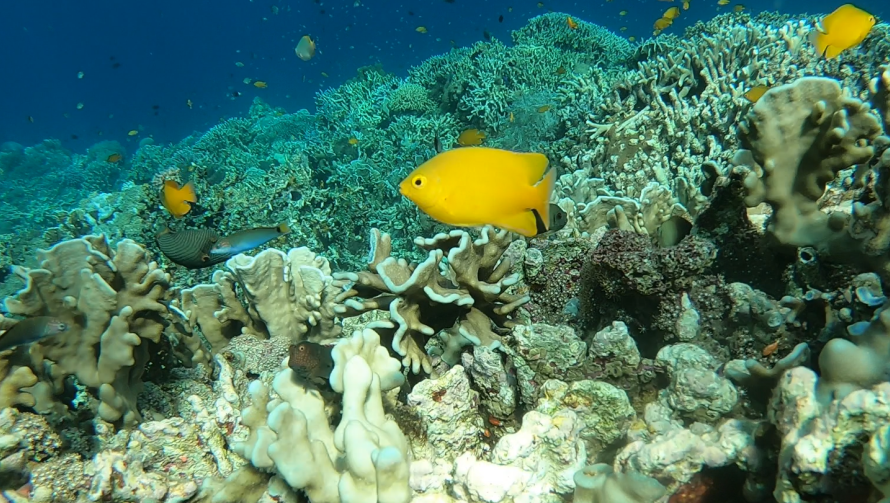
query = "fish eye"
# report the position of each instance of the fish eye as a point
(303, 348)
(418, 181)
(205, 258)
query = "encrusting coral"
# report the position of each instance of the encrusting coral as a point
(457, 293)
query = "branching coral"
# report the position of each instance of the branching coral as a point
(457, 293)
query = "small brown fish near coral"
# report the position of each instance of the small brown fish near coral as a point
(311, 361)
(31, 330)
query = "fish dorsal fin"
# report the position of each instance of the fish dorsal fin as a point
(534, 165)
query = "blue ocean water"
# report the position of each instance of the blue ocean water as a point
(143, 62)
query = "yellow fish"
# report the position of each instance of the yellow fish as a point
(259, 84)
(843, 29)
(305, 48)
(738, 8)
(755, 93)
(353, 141)
(470, 187)
(471, 137)
(420, 29)
(662, 23)
(543, 108)
(632, 38)
(722, 2)
(178, 199)
(672, 13)
(686, 5)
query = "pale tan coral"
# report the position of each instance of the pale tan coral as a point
(111, 301)
(284, 294)
(457, 293)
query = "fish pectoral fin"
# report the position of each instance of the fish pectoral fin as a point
(523, 223)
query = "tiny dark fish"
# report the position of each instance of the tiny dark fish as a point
(245, 240)
(500, 19)
(189, 248)
(438, 144)
(31, 330)
(311, 362)
(74, 137)
(486, 35)
(449, 1)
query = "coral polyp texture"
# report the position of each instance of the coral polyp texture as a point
(707, 324)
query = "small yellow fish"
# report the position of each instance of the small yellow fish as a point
(686, 5)
(540, 5)
(622, 13)
(259, 84)
(738, 8)
(470, 137)
(623, 28)
(662, 23)
(420, 29)
(511, 117)
(178, 199)
(114, 158)
(543, 109)
(722, 2)
(305, 48)
(632, 38)
(475, 186)
(755, 93)
(132, 132)
(672, 13)
(571, 22)
(353, 141)
(323, 74)
(843, 29)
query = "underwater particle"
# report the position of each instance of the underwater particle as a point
(80, 106)
(843, 29)
(189, 248)
(672, 13)
(571, 22)
(755, 93)
(31, 330)
(305, 48)
(178, 199)
(247, 239)
(114, 158)
(543, 108)
(738, 7)
(311, 361)
(420, 29)
(470, 137)
(79, 75)
(260, 84)
(470, 187)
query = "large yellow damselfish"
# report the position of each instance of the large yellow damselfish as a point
(843, 29)
(474, 186)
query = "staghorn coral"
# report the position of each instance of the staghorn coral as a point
(456, 294)
(113, 301)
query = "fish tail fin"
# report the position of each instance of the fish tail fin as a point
(543, 190)
(283, 228)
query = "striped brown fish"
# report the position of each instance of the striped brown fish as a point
(190, 247)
